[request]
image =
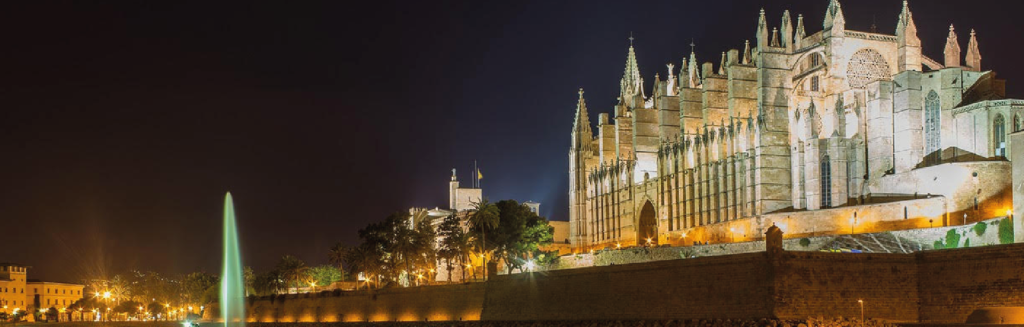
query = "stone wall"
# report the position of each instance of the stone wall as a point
(941, 286)
(446, 302)
(712, 287)
(955, 282)
(810, 284)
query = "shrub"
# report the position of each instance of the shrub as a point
(805, 242)
(967, 243)
(1005, 231)
(980, 228)
(952, 239)
(938, 245)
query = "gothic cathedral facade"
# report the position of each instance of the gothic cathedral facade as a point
(798, 130)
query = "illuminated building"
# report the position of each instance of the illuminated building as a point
(804, 129)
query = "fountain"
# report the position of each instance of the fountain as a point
(232, 295)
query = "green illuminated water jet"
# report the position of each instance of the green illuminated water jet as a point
(232, 295)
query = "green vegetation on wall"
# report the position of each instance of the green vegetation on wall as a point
(952, 239)
(1005, 231)
(980, 228)
(804, 242)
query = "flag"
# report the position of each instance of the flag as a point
(479, 175)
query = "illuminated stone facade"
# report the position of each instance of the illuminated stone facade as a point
(824, 132)
(18, 293)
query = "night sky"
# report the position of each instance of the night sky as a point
(123, 124)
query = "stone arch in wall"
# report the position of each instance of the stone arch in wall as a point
(647, 225)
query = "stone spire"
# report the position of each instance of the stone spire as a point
(746, 52)
(909, 44)
(581, 133)
(835, 23)
(775, 37)
(721, 67)
(798, 39)
(787, 31)
(973, 55)
(694, 73)
(952, 51)
(762, 32)
(684, 74)
(632, 85)
(812, 123)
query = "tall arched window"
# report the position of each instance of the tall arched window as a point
(999, 135)
(826, 182)
(932, 128)
(1016, 123)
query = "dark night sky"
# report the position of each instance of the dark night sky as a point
(124, 123)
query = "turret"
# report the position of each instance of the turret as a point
(631, 92)
(973, 55)
(762, 32)
(694, 72)
(581, 134)
(787, 31)
(835, 23)
(909, 45)
(746, 52)
(952, 51)
(775, 37)
(684, 74)
(798, 39)
(721, 67)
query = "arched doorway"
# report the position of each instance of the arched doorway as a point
(647, 226)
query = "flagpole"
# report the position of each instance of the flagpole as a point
(476, 182)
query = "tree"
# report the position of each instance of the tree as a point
(450, 250)
(52, 314)
(195, 285)
(519, 233)
(482, 219)
(156, 309)
(336, 256)
(293, 271)
(325, 275)
(248, 277)
(267, 283)
(365, 259)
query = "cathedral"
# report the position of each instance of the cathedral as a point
(829, 132)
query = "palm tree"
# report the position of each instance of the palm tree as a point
(337, 256)
(484, 216)
(293, 271)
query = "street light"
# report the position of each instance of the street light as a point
(861, 311)
(732, 235)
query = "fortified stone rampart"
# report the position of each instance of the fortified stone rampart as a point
(932, 286)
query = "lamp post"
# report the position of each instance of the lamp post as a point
(732, 235)
(861, 311)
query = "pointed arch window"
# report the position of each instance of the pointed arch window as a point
(826, 182)
(999, 135)
(932, 128)
(1016, 123)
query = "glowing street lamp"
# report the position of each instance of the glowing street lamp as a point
(529, 265)
(732, 235)
(861, 311)
(313, 284)
(618, 245)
